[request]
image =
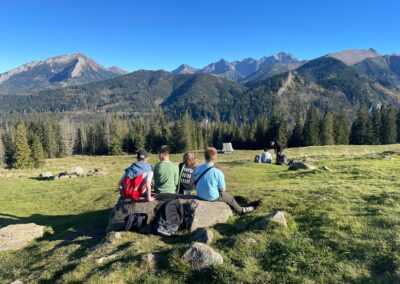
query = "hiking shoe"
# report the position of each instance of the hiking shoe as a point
(246, 210)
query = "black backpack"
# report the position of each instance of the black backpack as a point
(169, 218)
(282, 160)
(257, 159)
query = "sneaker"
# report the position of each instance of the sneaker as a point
(246, 210)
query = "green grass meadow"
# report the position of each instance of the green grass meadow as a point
(343, 223)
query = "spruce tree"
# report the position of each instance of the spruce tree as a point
(398, 126)
(311, 133)
(2, 150)
(377, 126)
(389, 127)
(37, 152)
(21, 157)
(362, 129)
(296, 139)
(327, 129)
(341, 129)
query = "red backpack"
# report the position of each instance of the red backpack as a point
(133, 188)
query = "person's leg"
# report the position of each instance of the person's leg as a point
(230, 200)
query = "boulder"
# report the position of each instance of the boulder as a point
(14, 237)
(77, 171)
(276, 217)
(203, 235)
(301, 166)
(200, 255)
(202, 214)
(46, 175)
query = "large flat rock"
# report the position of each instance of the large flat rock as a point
(14, 237)
(203, 213)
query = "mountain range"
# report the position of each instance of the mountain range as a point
(335, 82)
(60, 71)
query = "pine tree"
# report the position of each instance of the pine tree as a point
(2, 150)
(187, 132)
(261, 132)
(389, 127)
(296, 139)
(341, 129)
(37, 152)
(311, 133)
(327, 132)
(377, 126)
(362, 130)
(80, 144)
(21, 157)
(398, 126)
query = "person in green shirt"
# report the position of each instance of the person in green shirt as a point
(166, 173)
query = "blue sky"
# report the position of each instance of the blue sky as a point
(151, 34)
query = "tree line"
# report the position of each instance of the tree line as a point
(26, 144)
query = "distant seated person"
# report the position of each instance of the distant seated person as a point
(136, 182)
(278, 147)
(186, 174)
(210, 183)
(266, 157)
(166, 173)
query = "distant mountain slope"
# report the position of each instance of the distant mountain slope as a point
(55, 72)
(239, 70)
(353, 56)
(269, 71)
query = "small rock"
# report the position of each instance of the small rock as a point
(251, 241)
(106, 258)
(46, 175)
(276, 217)
(14, 237)
(149, 260)
(301, 166)
(64, 177)
(200, 255)
(117, 235)
(203, 235)
(78, 171)
(326, 168)
(17, 282)
(97, 171)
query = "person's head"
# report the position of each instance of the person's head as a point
(210, 154)
(265, 149)
(142, 156)
(163, 153)
(189, 159)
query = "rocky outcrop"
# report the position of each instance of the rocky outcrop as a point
(200, 255)
(301, 166)
(14, 237)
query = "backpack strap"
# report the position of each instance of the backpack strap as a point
(202, 174)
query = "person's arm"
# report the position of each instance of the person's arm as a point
(148, 187)
(176, 176)
(221, 181)
(120, 183)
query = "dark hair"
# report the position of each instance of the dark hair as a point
(164, 150)
(209, 153)
(266, 149)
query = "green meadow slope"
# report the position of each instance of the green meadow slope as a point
(343, 223)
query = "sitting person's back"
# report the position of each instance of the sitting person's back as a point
(166, 173)
(186, 174)
(210, 183)
(266, 157)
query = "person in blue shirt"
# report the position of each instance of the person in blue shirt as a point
(210, 183)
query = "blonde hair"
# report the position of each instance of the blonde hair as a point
(189, 158)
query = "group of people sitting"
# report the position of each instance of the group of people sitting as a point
(142, 181)
(266, 156)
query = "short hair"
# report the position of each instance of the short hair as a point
(266, 149)
(209, 153)
(164, 150)
(189, 159)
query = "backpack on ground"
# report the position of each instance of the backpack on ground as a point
(169, 218)
(282, 160)
(135, 221)
(257, 159)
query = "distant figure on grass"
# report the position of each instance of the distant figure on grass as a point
(278, 147)
(210, 183)
(266, 157)
(136, 182)
(166, 173)
(186, 173)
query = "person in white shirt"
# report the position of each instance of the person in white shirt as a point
(266, 157)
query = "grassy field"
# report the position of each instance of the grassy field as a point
(343, 223)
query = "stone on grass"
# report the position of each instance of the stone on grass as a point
(276, 217)
(14, 237)
(301, 166)
(77, 171)
(46, 175)
(149, 259)
(326, 168)
(106, 258)
(97, 172)
(203, 235)
(117, 235)
(17, 282)
(200, 255)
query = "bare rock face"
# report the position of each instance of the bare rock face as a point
(301, 166)
(203, 214)
(275, 217)
(14, 237)
(200, 255)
